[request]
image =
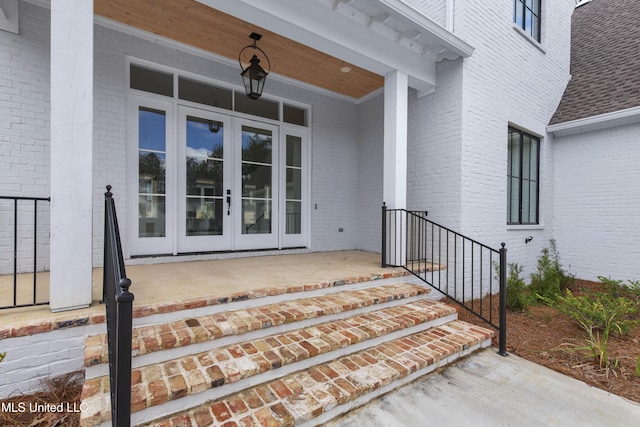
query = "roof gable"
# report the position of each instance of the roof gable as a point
(605, 60)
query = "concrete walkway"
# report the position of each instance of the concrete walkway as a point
(489, 390)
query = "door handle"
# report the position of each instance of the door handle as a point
(228, 202)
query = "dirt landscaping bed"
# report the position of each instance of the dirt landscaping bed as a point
(543, 336)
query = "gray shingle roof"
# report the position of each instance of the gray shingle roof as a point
(605, 60)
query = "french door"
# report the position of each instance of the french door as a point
(203, 181)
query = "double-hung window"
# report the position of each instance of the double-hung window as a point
(523, 172)
(526, 14)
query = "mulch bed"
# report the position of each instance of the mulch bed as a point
(545, 337)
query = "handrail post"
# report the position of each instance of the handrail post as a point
(502, 350)
(384, 234)
(124, 303)
(119, 312)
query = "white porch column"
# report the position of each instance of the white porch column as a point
(71, 153)
(395, 140)
(394, 193)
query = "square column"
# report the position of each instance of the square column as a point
(396, 105)
(71, 153)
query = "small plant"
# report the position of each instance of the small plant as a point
(630, 291)
(599, 315)
(550, 279)
(638, 367)
(2, 356)
(518, 297)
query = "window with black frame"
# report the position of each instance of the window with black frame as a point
(523, 171)
(526, 14)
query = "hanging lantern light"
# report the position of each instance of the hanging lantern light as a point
(254, 76)
(214, 126)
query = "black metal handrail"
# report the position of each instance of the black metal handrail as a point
(119, 312)
(35, 201)
(457, 266)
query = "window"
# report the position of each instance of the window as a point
(523, 178)
(526, 14)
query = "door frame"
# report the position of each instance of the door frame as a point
(150, 245)
(208, 243)
(255, 241)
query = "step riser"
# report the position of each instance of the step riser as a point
(285, 296)
(362, 400)
(159, 356)
(170, 407)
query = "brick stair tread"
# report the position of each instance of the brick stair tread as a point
(306, 394)
(179, 333)
(169, 380)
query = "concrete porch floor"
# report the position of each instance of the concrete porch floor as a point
(157, 284)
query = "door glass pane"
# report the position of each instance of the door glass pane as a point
(151, 216)
(151, 80)
(295, 115)
(256, 145)
(204, 93)
(204, 176)
(151, 172)
(204, 216)
(256, 216)
(294, 184)
(293, 220)
(294, 154)
(257, 186)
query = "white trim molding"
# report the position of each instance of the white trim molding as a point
(601, 121)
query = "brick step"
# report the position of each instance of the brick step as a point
(231, 325)
(315, 395)
(191, 380)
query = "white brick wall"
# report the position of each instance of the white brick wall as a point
(597, 202)
(434, 9)
(508, 80)
(32, 359)
(24, 137)
(434, 146)
(370, 173)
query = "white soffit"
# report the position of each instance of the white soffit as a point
(378, 35)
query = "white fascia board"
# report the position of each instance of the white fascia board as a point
(602, 121)
(314, 25)
(446, 38)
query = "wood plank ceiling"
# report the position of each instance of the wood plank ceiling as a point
(195, 24)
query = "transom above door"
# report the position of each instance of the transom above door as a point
(208, 181)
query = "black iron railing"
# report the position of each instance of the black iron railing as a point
(119, 305)
(18, 267)
(468, 272)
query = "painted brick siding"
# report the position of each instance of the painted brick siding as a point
(24, 137)
(370, 173)
(32, 359)
(509, 79)
(434, 144)
(597, 202)
(436, 10)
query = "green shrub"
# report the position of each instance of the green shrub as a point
(2, 356)
(518, 295)
(550, 279)
(630, 291)
(599, 314)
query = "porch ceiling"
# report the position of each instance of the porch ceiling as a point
(308, 41)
